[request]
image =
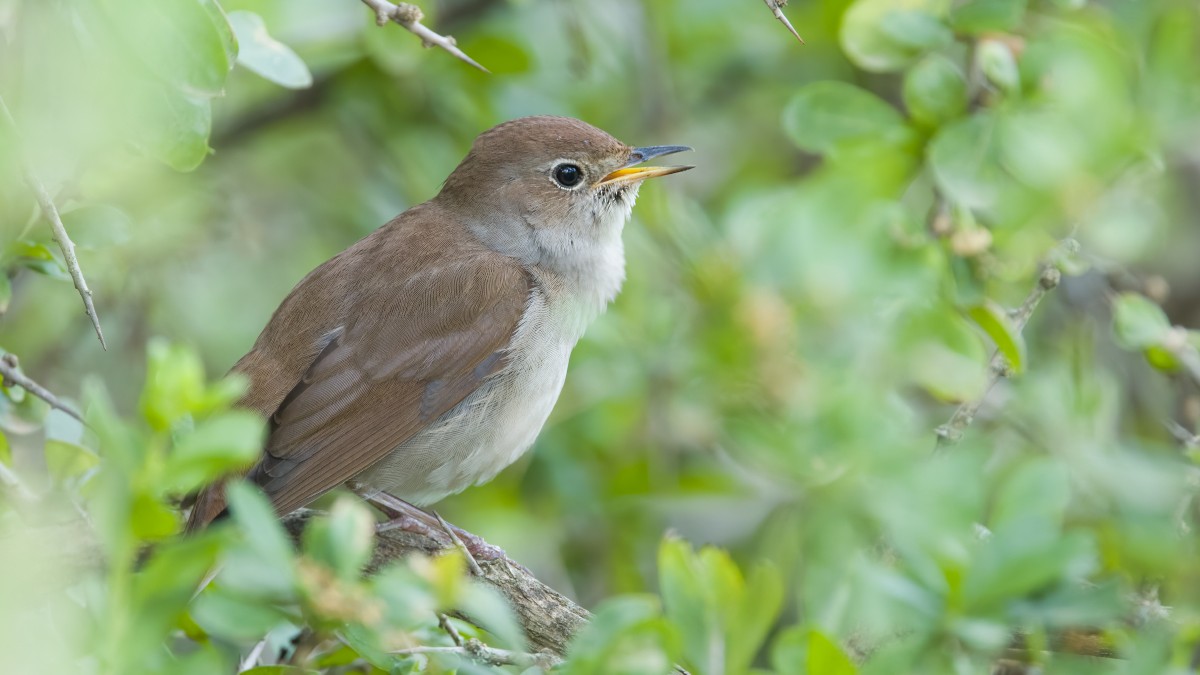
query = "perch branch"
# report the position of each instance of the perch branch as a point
(776, 7)
(50, 211)
(952, 431)
(409, 16)
(12, 374)
(549, 618)
(492, 656)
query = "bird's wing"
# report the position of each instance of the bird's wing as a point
(344, 388)
(380, 380)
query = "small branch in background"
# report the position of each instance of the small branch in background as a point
(11, 374)
(952, 431)
(409, 16)
(10, 481)
(50, 211)
(776, 7)
(492, 656)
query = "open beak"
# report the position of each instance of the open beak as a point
(630, 173)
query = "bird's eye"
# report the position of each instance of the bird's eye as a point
(567, 175)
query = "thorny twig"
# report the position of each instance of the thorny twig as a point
(50, 211)
(11, 374)
(776, 7)
(952, 431)
(409, 16)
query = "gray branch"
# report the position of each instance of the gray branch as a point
(11, 374)
(409, 16)
(776, 7)
(952, 431)
(550, 619)
(50, 211)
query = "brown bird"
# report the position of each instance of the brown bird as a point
(426, 357)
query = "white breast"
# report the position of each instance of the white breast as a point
(498, 422)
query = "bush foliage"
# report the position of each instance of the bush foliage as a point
(756, 465)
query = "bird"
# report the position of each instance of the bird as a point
(426, 357)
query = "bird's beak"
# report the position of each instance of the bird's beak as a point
(632, 174)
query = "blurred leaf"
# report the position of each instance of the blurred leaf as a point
(343, 540)
(1022, 557)
(266, 56)
(1138, 323)
(626, 636)
(65, 461)
(998, 64)
(279, 670)
(233, 616)
(964, 157)
(995, 321)
(39, 258)
(987, 16)
(491, 611)
(150, 519)
(186, 42)
(257, 519)
(1039, 489)
(824, 115)
(825, 657)
(217, 446)
(177, 133)
(888, 35)
(166, 583)
(5, 450)
(97, 227)
(935, 90)
(174, 384)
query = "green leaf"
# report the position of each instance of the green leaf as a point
(176, 130)
(825, 115)
(39, 258)
(217, 446)
(995, 321)
(1023, 557)
(280, 670)
(234, 616)
(5, 450)
(889, 35)
(1138, 323)
(257, 519)
(935, 90)
(166, 583)
(65, 461)
(987, 16)
(627, 635)
(174, 384)
(150, 519)
(97, 226)
(266, 56)
(343, 540)
(964, 157)
(825, 657)
(1039, 489)
(187, 43)
(998, 64)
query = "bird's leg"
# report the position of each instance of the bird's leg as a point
(409, 518)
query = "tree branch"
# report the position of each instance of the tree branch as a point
(409, 16)
(549, 618)
(50, 211)
(11, 374)
(952, 431)
(776, 7)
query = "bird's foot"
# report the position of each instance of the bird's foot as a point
(409, 518)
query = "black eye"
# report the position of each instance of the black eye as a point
(567, 175)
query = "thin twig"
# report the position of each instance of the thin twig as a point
(776, 7)
(492, 656)
(10, 480)
(444, 622)
(11, 374)
(472, 563)
(50, 211)
(409, 16)
(952, 431)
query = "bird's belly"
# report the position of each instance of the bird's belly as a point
(489, 429)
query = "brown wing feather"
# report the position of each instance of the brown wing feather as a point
(369, 349)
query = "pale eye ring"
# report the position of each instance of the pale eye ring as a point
(567, 175)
